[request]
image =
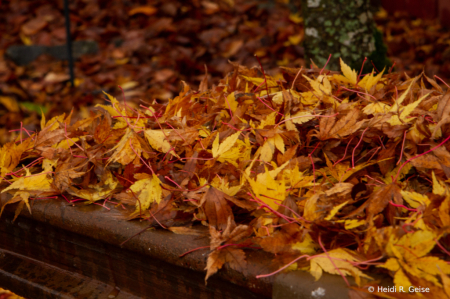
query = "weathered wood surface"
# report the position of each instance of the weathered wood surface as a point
(83, 243)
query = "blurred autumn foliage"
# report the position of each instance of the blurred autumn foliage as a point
(416, 45)
(146, 49)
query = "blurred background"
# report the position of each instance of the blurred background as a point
(148, 47)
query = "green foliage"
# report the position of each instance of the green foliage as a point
(379, 56)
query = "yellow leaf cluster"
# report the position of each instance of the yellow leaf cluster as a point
(268, 148)
(147, 191)
(156, 138)
(408, 259)
(227, 144)
(267, 188)
(338, 261)
(128, 148)
(122, 115)
(95, 192)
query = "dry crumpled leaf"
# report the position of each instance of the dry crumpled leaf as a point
(233, 256)
(217, 210)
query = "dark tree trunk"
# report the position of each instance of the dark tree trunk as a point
(342, 28)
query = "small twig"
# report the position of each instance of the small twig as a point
(329, 57)
(403, 146)
(353, 153)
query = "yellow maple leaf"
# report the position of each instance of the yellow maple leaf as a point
(262, 177)
(179, 100)
(421, 242)
(350, 76)
(89, 194)
(230, 102)
(268, 148)
(289, 124)
(107, 185)
(370, 80)
(65, 144)
(444, 211)
(268, 121)
(438, 188)
(400, 100)
(308, 98)
(336, 261)
(157, 141)
(310, 210)
(412, 246)
(203, 131)
(28, 185)
(115, 109)
(307, 246)
(267, 189)
(415, 199)
(321, 85)
(401, 280)
(228, 143)
(40, 182)
(48, 165)
(127, 149)
(353, 223)
(427, 268)
(388, 178)
(270, 82)
(376, 107)
(415, 135)
(405, 112)
(391, 264)
(295, 39)
(53, 123)
(148, 190)
(296, 179)
(277, 98)
(432, 265)
(121, 114)
(335, 210)
(10, 155)
(224, 186)
(279, 143)
(239, 152)
(301, 117)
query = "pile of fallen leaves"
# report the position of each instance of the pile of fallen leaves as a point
(346, 174)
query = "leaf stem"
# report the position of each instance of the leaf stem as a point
(282, 268)
(353, 153)
(428, 151)
(192, 250)
(403, 146)
(331, 260)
